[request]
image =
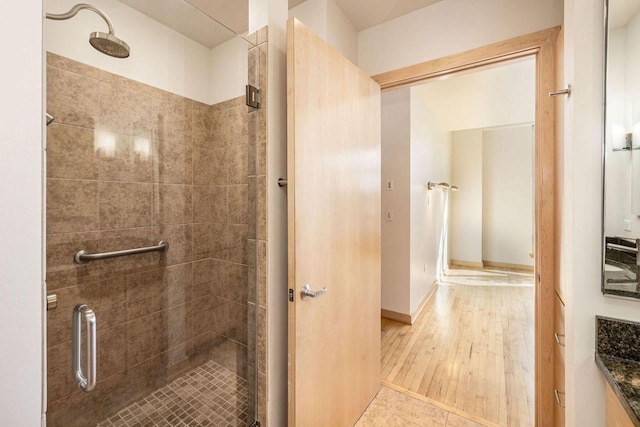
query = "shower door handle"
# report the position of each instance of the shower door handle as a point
(88, 382)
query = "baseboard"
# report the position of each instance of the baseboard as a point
(394, 315)
(460, 263)
(508, 266)
(406, 318)
(423, 303)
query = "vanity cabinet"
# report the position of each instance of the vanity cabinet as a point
(558, 366)
(616, 415)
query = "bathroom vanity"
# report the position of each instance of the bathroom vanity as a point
(618, 357)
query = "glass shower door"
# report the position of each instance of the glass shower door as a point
(145, 150)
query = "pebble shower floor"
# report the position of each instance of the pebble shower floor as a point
(209, 395)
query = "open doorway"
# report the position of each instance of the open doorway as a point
(546, 47)
(457, 241)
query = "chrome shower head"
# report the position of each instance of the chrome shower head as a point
(106, 43)
(109, 44)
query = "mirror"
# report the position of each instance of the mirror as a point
(621, 227)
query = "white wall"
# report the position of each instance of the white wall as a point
(489, 97)
(228, 70)
(430, 161)
(582, 204)
(451, 26)
(507, 195)
(21, 216)
(465, 226)
(160, 56)
(396, 146)
(326, 19)
(341, 33)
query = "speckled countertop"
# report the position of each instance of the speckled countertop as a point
(618, 356)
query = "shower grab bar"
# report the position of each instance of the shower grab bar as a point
(87, 383)
(82, 257)
(622, 248)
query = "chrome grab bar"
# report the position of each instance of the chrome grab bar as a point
(622, 248)
(82, 257)
(87, 383)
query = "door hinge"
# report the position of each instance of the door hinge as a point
(52, 302)
(254, 97)
(291, 297)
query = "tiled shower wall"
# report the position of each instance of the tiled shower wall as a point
(258, 174)
(129, 165)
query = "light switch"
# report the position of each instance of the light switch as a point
(627, 225)
(389, 186)
(388, 216)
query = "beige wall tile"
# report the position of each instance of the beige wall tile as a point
(203, 166)
(261, 226)
(174, 163)
(202, 203)
(220, 203)
(67, 64)
(125, 205)
(123, 157)
(72, 206)
(238, 204)
(176, 120)
(202, 133)
(105, 298)
(238, 163)
(129, 112)
(70, 152)
(61, 270)
(202, 240)
(262, 339)
(114, 240)
(172, 204)
(262, 272)
(238, 236)
(180, 238)
(261, 142)
(71, 98)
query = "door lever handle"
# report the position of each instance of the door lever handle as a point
(307, 292)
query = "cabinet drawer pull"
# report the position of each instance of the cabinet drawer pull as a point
(558, 393)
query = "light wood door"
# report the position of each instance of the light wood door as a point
(333, 150)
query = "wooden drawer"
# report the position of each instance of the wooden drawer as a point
(558, 326)
(558, 385)
(616, 415)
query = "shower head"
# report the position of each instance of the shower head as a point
(106, 43)
(109, 44)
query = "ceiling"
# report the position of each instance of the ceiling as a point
(368, 13)
(620, 11)
(193, 18)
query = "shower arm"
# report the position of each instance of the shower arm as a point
(77, 8)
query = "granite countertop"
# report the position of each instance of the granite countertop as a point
(618, 356)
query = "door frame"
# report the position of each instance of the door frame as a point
(540, 45)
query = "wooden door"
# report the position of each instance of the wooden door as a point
(333, 150)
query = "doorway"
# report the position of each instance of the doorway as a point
(541, 47)
(463, 147)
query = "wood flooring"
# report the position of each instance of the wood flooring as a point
(471, 348)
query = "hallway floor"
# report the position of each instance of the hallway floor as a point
(471, 349)
(391, 408)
